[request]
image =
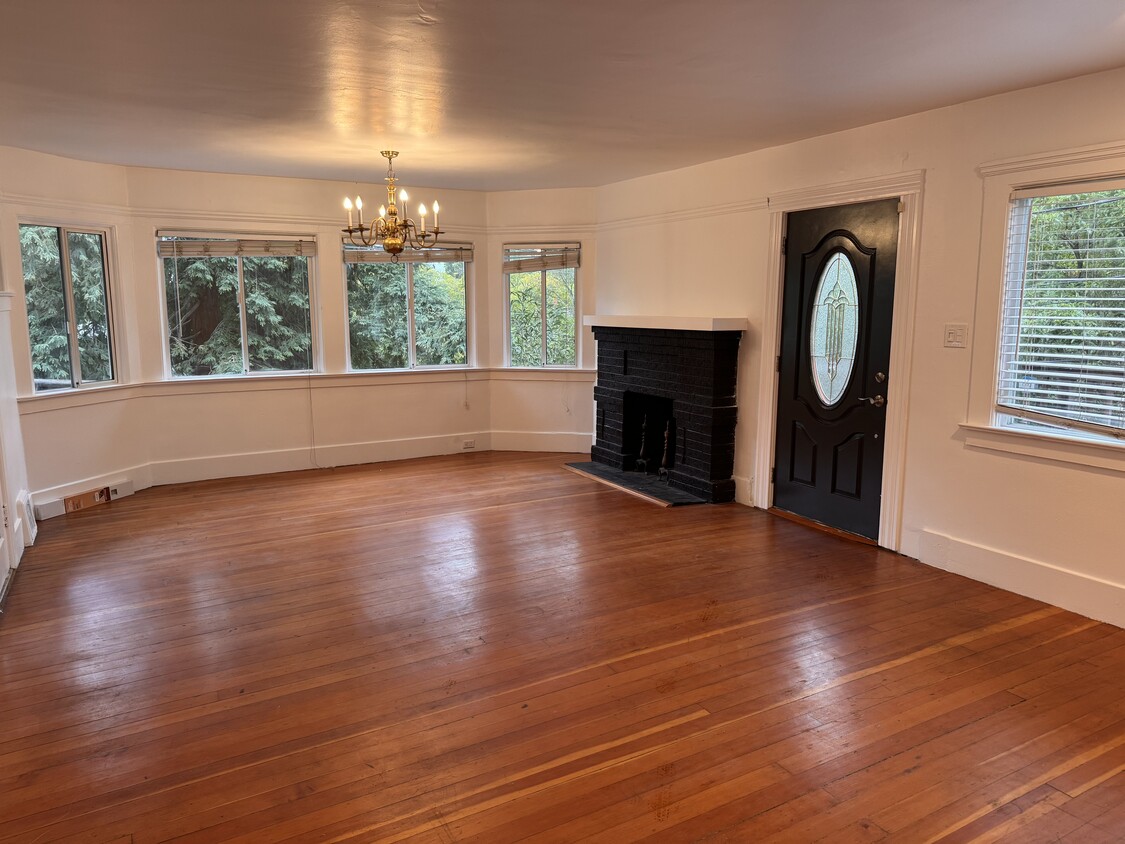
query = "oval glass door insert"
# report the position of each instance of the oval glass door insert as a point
(834, 329)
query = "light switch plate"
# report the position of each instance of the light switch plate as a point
(956, 335)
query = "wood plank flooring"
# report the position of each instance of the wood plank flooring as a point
(488, 648)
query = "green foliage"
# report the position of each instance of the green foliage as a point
(205, 323)
(378, 314)
(377, 318)
(525, 318)
(1071, 354)
(526, 323)
(278, 330)
(560, 318)
(439, 314)
(91, 314)
(47, 320)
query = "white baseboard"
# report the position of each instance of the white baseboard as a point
(1093, 597)
(349, 454)
(744, 490)
(140, 475)
(564, 441)
(266, 462)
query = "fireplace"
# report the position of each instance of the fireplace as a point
(666, 401)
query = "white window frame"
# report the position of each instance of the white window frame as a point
(108, 264)
(561, 255)
(243, 244)
(452, 253)
(984, 427)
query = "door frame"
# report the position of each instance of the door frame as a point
(907, 187)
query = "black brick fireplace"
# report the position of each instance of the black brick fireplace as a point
(666, 403)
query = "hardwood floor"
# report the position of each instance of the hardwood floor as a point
(488, 648)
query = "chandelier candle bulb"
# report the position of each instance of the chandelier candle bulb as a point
(394, 231)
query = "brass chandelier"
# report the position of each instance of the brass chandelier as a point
(394, 232)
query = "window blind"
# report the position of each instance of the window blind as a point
(1062, 355)
(437, 255)
(521, 258)
(185, 246)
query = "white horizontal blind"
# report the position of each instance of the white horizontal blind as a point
(185, 246)
(437, 255)
(1062, 356)
(521, 258)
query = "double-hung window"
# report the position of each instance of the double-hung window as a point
(1062, 350)
(407, 313)
(542, 303)
(65, 277)
(237, 305)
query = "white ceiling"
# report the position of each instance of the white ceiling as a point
(507, 94)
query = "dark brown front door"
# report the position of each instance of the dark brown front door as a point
(833, 382)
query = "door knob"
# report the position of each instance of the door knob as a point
(878, 401)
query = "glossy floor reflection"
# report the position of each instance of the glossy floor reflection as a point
(489, 648)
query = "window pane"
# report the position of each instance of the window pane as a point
(834, 329)
(204, 330)
(377, 316)
(525, 303)
(276, 294)
(439, 314)
(1063, 343)
(560, 318)
(46, 307)
(91, 316)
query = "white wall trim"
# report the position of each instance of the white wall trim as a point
(543, 373)
(254, 219)
(140, 475)
(58, 400)
(1055, 158)
(1090, 596)
(761, 493)
(560, 441)
(907, 186)
(1059, 448)
(208, 467)
(680, 215)
(853, 190)
(547, 232)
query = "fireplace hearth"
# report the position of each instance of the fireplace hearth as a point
(666, 401)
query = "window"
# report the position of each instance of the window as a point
(237, 305)
(1062, 350)
(67, 295)
(407, 313)
(542, 304)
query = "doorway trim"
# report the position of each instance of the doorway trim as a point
(908, 188)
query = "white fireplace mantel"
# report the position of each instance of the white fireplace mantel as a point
(675, 323)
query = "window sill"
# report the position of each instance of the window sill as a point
(263, 382)
(1059, 448)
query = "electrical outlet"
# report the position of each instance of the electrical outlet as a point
(467, 444)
